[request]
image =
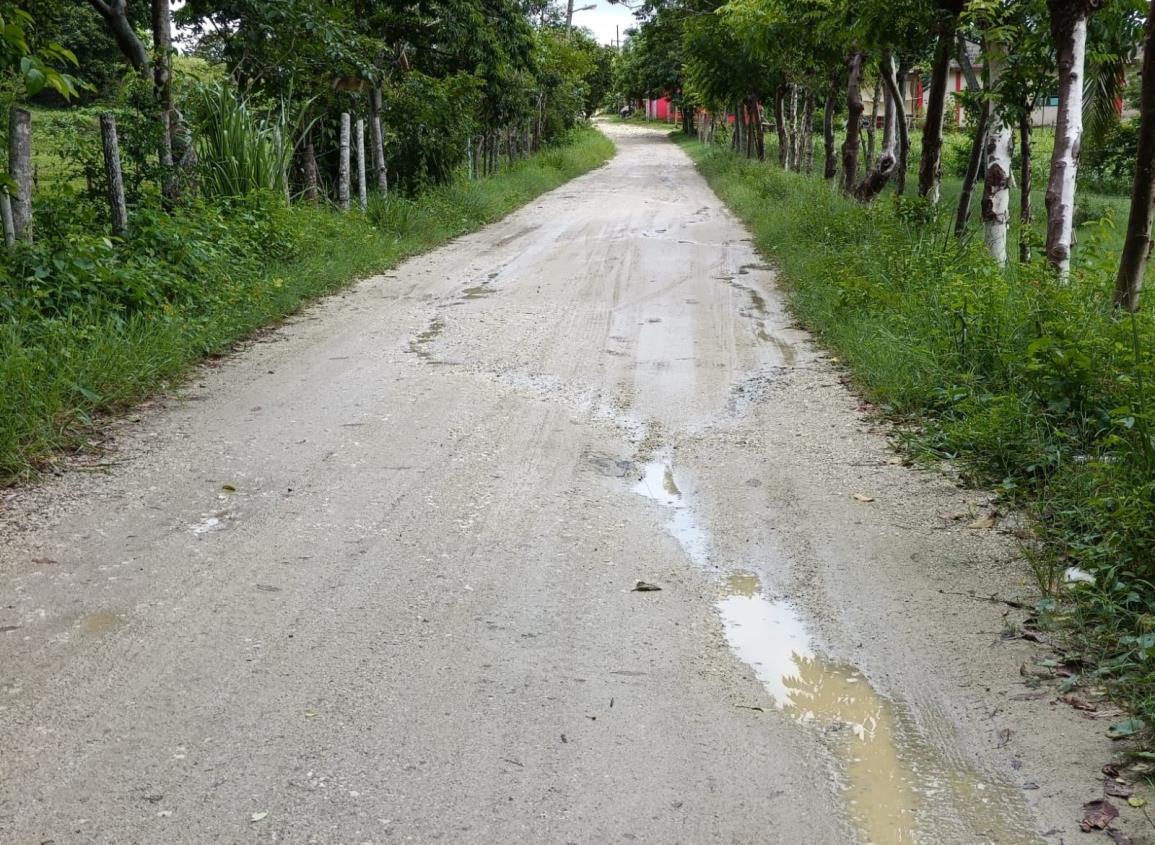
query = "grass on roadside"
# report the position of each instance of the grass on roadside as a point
(1031, 386)
(90, 326)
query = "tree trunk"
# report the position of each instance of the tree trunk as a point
(872, 127)
(1025, 184)
(343, 164)
(930, 164)
(887, 162)
(115, 14)
(897, 83)
(830, 165)
(1069, 30)
(1137, 246)
(311, 173)
(362, 170)
(377, 140)
(20, 169)
(759, 138)
(780, 126)
(996, 206)
(808, 133)
(852, 143)
(119, 211)
(974, 161)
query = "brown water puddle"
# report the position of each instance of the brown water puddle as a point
(899, 790)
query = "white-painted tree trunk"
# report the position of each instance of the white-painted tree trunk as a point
(1071, 49)
(996, 206)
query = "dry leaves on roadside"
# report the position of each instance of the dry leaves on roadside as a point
(646, 587)
(1117, 789)
(862, 497)
(1078, 702)
(1098, 815)
(987, 520)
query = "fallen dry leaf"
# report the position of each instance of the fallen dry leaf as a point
(1136, 801)
(985, 521)
(646, 587)
(1078, 702)
(862, 497)
(1004, 737)
(1117, 789)
(1098, 815)
(256, 817)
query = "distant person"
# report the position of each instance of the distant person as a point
(626, 112)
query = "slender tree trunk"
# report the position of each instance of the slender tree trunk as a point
(20, 169)
(872, 127)
(830, 165)
(117, 207)
(759, 135)
(930, 164)
(850, 146)
(1025, 185)
(1137, 246)
(362, 181)
(1069, 30)
(808, 133)
(343, 164)
(887, 161)
(377, 140)
(311, 173)
(115, 14)
(780, 126)
(897, 83)
(974, 161)
(997, 178)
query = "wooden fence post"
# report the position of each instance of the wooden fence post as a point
(6, 215)
(115, 177)
(343, 165)
(362, 188)
(20, 169)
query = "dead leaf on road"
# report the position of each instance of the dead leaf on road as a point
(1136, 801)
(985, 521)
(256, 817)
(1116, 789)
(646, 587)
(1098, 815)
(1004, 738)
(862, 497)
(1078, 702)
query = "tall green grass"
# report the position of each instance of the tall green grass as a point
(240, 150)
(85, 337)
(1031, 386)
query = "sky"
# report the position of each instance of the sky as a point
(602, 19)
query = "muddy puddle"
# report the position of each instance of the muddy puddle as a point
(898, 787)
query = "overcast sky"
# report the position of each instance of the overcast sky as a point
(603, 19)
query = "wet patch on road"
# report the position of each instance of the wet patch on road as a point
(419, 345)
(898, 788)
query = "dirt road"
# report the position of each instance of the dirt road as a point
(370, 580)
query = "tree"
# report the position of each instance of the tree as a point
(930, 163)
(1137, 245)
(1069, 31)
